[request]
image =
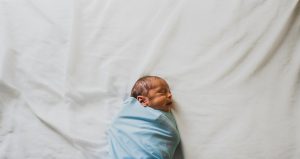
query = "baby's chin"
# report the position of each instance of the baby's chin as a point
(167, 108)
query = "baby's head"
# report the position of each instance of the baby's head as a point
(154, 92)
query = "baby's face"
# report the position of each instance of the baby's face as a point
(160, 97)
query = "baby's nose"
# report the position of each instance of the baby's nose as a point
(169, 96)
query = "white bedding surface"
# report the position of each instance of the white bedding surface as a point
(233, 67)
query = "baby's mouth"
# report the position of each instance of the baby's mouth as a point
(170, 106)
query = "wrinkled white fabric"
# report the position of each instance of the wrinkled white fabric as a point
(233, 67)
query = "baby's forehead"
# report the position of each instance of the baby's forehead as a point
(159, 83)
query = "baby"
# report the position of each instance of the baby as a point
(145, 127)
(154, 92)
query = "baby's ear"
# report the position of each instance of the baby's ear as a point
(143, 100)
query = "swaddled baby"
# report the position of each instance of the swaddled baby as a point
(145, 127)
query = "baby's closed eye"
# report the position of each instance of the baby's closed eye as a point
(162, 91)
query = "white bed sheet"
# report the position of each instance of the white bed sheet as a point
(233, 67)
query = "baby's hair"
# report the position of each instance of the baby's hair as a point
(143, 85)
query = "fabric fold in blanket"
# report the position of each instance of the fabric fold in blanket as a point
(143, 132)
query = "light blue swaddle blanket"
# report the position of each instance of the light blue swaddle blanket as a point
(142, 133)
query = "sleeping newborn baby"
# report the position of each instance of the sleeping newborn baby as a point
(145, 127)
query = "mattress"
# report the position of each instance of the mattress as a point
(233, 68)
